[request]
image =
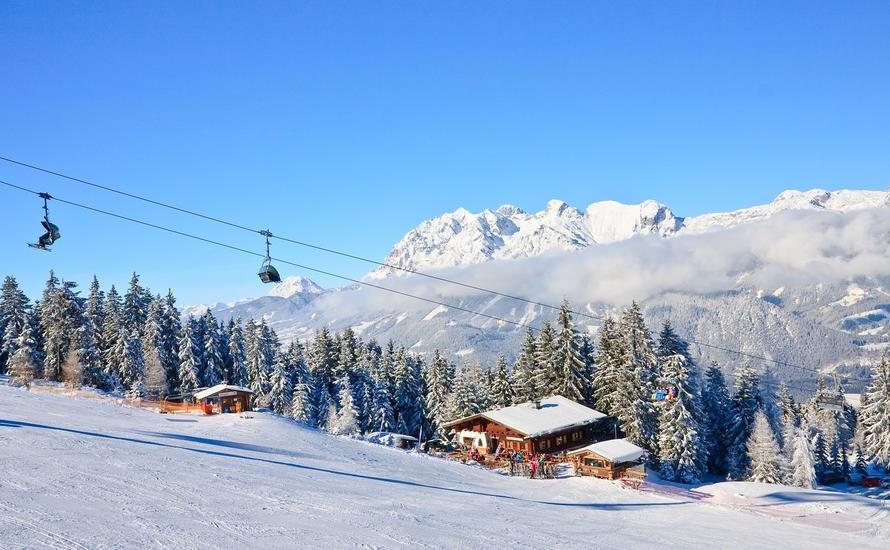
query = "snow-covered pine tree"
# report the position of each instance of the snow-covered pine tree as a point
(321, 359)
(502, 391)
(189, 360)
(820, 452)
(875, 414)
(743, 410)
(135, 306)
(715, 405)
(438, 379)
(155, 374)
(408, 404)
(170, 334)
(861, 466)
(322, 404)
(525, 369)
(59, 317)
(347, 417)
(237, 354)
(606, 372)
(13, 318)
(803, 470)
(570, 365)
(301, 404)
(22, 368)
(764, 457)
(637, 372)
(133, 368)
(281, 390)
(110, 350)
(545, 375)
(213, 367)
(383, 419)
(682, 453)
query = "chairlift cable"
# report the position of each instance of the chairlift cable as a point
(384, 264)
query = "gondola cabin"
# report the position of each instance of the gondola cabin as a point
(550, 425)
(225, 398)
(612, 459)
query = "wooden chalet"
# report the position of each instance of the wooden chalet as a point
(550, 425)
(224, 398)
(612, 459)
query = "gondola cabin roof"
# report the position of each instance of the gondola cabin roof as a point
(535, 419)
(219, 388)
(613, 450)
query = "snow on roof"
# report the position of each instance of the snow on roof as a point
(614, 450)
(555, 414)
(220, 388)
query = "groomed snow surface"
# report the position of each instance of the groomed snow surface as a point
(88, 473)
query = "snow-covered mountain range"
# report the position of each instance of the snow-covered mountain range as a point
(463, 238)
(828, 307)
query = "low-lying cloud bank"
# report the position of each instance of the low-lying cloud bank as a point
(795, 248)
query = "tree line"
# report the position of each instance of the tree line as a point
(139, 345)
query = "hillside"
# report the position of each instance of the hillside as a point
(814, 266)
(85, 473)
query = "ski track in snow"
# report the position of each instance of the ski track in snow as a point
(89, 473)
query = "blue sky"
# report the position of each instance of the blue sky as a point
(347, 123)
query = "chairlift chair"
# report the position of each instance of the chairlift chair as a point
(268, 273)
(832, 402)
(52, 230)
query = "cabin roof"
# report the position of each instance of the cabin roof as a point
(613, 450)
(203, 394)
(555, 414)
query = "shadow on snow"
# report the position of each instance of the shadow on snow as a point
(228, 444)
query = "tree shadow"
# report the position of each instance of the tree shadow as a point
(230, 444)
(331, 471)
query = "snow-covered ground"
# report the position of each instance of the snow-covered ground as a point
(88, 473)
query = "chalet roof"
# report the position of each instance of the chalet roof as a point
(203, 394)
(613, 450)
(555, 414)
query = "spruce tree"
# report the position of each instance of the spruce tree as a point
(607, 370)
(715, 405)
(682, 452)
(237, 354)
(803, 470)
(301, 404)
(383, 419)
(133, 368)
(110, 350)
(875, 414)
(502, 391)
(170, 334)
(524, 371)
(744, 407)
(189, 360)
(570, 365)
(213, 368)
(861, 466)
(438, 379)
(545, 377)
(820, 451)
(281, 385)
(13, 318)
(637, 372)
(347, 416)
(22, 367)
(764, 456)
(408, 405)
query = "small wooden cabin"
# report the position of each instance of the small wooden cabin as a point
(612, 459)
(550, 425)
(225, 398)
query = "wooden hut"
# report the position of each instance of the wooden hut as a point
(612, 459)
(550, 425)
(225, 398)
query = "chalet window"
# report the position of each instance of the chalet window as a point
(576, 436)
(596, 463)
(560, 440)
(545, 444)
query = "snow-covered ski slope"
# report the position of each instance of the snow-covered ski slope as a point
(87, 473)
